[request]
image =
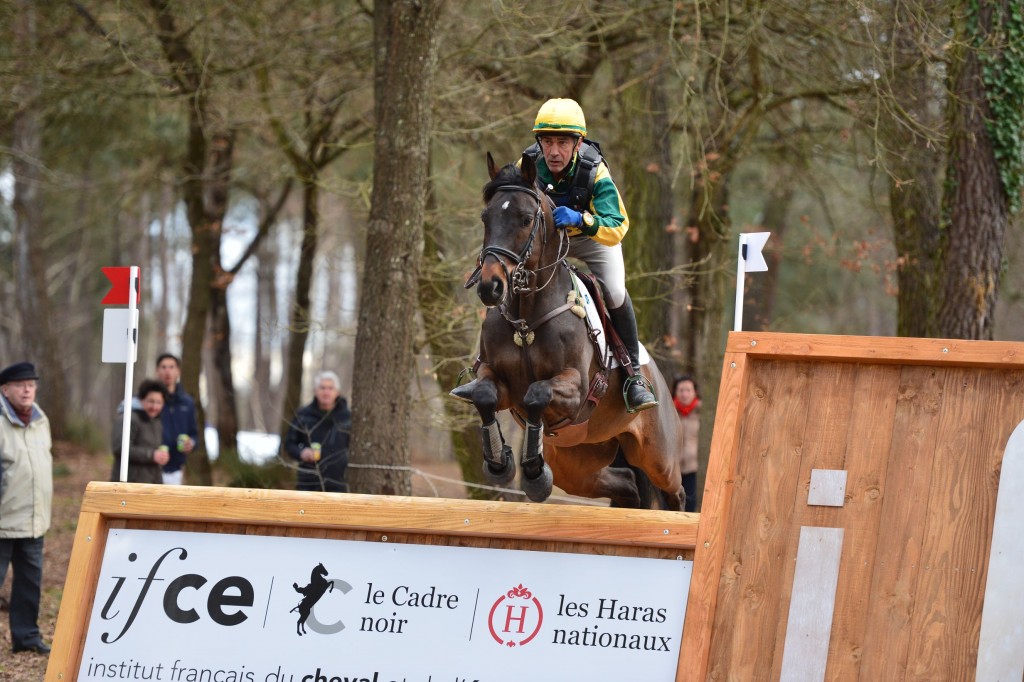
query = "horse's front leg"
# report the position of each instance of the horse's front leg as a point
(499, 466)
(561, 392)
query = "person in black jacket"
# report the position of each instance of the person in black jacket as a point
(181, 433)
(318, 438)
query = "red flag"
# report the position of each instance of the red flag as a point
(120, 280)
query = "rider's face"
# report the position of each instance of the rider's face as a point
(558, 151)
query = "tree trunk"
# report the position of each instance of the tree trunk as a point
(707, 324)
(646, 178)
(976, 200)
(761, 290)
(914, 166)
(163, 317)
(450, 335)
(265, 408)
(226, 401)
(406, 40)
(39, 343)
(299, 319)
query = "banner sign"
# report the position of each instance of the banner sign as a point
(202, 607)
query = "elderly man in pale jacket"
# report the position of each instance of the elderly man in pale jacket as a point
(26, 492)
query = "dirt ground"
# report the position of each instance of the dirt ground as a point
(74, 468)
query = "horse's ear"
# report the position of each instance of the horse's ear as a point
(528, 169)
(492, 168)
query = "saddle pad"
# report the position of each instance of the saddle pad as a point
(594, 322)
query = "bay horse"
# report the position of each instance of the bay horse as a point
(538, 360)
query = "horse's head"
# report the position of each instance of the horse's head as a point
(516, 217)
(318, 571)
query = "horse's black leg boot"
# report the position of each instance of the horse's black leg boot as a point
(464, 392)
(635, 390)
(537, 478)
(499, 467)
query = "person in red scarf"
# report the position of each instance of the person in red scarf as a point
(684, 396)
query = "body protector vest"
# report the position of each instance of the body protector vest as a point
(582, 187)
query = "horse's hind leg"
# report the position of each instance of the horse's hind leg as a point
(499, 467)
(620, 485)
(674, 501)
(581, 471)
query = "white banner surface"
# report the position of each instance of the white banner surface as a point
(200, 607)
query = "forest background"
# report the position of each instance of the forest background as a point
(300, 182)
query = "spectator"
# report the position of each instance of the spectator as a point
(179, 418)
(146, 451)
(684, 396)
(26, 494)
(318, 438)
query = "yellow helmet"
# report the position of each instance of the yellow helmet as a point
(560, 116)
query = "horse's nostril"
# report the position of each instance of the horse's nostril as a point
(490, 292)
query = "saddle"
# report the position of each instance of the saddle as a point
(613, 353)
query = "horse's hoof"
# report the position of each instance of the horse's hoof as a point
(503, 474)
(538, 489)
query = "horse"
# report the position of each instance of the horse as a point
(311, 593)
(538, 360)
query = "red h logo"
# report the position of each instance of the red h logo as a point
(522, 618)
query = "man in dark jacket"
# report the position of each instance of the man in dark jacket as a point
(179, 419)
(318, 438)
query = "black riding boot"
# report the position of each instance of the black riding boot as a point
(637, 391)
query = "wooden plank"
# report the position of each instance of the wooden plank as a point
(972, 433)
(79, 594)
(877, 349)
(825, 444)
(778, 411)
(387, 536)
(869, 440)
(904, 495)
(709, 555)
(557, 523)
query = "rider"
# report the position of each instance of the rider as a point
(590, 208)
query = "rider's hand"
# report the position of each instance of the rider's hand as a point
(566, 217)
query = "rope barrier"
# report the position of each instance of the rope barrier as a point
(478, 486)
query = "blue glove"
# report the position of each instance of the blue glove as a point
(566, 217)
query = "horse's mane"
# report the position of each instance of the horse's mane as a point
(510, 174)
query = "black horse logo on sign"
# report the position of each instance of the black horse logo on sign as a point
(311, 593)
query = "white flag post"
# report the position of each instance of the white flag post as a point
(121, 340)
(129, 371)
(749, 259)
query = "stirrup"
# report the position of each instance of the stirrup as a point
(645, 400)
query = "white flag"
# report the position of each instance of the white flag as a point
(752, 243)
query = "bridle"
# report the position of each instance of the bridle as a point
(519, 278)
